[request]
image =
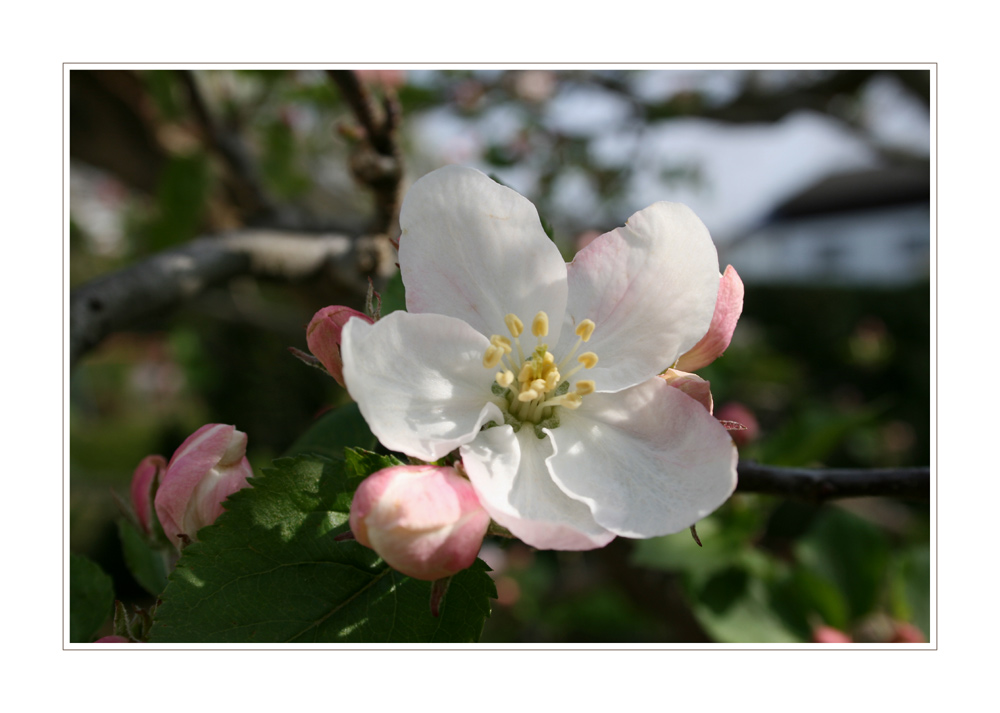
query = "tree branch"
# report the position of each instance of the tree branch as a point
(123, 298)
(376, 161)
(819, 484)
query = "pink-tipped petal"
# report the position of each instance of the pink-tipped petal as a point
(650, 288)
(648, 460)
(728, 308)
(323, 335)
(509, 473)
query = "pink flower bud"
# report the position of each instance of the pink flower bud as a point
(691, 384)
(728, 308)
(424, 521)
(208, 467)
(142, 488)
(828, 635)
(323, 337)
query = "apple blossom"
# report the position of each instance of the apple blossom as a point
(545, 376)
(144, 482)
(206, 469)
(424, 521)
(323, 337)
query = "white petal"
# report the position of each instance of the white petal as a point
(419, 381)
(473, 249)
(650, 288)
(509, 474)
(648, 460)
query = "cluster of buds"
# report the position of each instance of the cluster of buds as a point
(187, 492)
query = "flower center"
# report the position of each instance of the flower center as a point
(534, 386)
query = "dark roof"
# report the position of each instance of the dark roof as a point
(858, 190)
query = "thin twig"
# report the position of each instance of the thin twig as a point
(247, 191)
(377, 161)
(819, 484)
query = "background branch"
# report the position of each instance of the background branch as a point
(123, 298)
(819, 484)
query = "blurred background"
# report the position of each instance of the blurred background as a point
(815, 185)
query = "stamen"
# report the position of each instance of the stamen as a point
(515, 325)
(501, 342)
(527, 395)
(505, 378)
(585, 329)
(588, 359)
(540, 325)
(585, 387)
(492, 356)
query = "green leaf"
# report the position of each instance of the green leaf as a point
(334, 431)
(745, 614)
(271, 570)
(91, 598)
(147, 564)
(851, 553)
(393, 295)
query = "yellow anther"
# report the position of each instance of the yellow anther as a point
(505, 378)
(515, 325)
(492, 356)
(540, 325)
(585, 329)
(527, 373)
(548, 359)
(501, 342)
(527, 395)
(572, 400)
(552, 380)
(585, 387)
(588, 359)
(538, 386)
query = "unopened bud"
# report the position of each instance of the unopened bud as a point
(208, 467)
(323, 337)
(142, 489)
(424, 521)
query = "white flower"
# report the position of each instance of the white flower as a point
(544, 375)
